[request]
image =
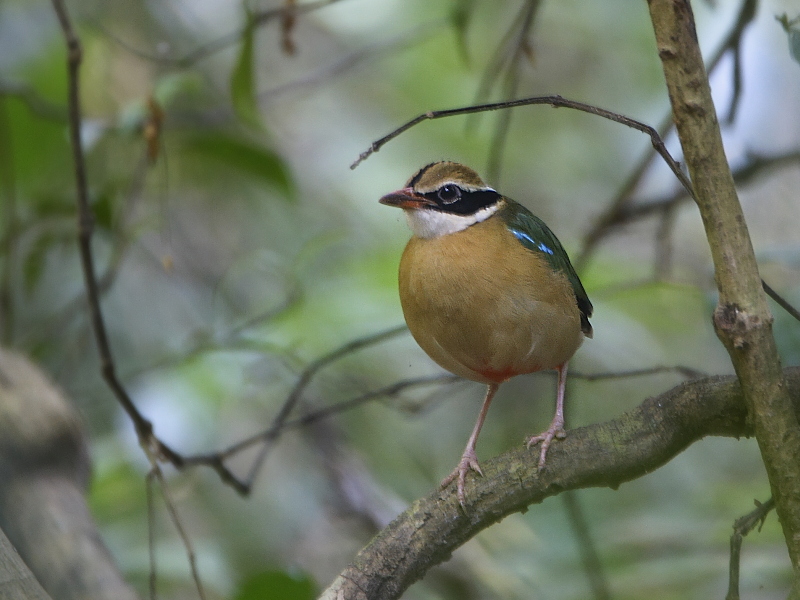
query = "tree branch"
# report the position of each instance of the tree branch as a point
(602, 455)
(742, 317)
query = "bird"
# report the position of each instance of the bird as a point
(487, 291)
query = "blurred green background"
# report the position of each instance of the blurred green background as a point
(243, 248)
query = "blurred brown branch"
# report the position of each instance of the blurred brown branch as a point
(34, 102)
(155, 474)
(513, 48)
(286, 14)
(44, 470)
(755, 166)
(590, 557)
(602, 455)
(624, 196)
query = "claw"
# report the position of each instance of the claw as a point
(556, 429)
(546, 437)
(468, 462)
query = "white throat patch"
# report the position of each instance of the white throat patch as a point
(427, 223)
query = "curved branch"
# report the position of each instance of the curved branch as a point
(603, 455)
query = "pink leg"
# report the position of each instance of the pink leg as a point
(469, 460)
(556, 429)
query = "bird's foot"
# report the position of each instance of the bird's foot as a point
(555, 431)
(469, 461)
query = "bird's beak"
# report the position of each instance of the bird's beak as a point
(405, 198)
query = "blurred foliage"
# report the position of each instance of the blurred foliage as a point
(237, 247)
(792, 28)
(276, 585)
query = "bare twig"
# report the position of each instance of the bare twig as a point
(624, 196)
(782, 302)
(144, 428)
(302, 382)
(122, 242)
(741, 528)
(733, 43)
(151, 534)
(586, 547)
(688, 372)
(755, 166)
(503, 53)
(554, 101)
(663, 259)
(521, 50)
(173, 513)
(10, 234)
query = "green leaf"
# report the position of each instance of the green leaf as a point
(244, 156)
(277, 585)
(243, 93)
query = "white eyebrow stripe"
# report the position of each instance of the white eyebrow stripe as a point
(465, 187)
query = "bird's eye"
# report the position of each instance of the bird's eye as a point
(449, 193)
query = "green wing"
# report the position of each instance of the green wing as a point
(532, 233)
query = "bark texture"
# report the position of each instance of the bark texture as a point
(602, 455)
(742, 317)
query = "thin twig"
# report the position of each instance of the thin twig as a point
(586, 546)
(10, 235)
(782, 302)
(733, 43)
(645, 207)
(307, 419)
(687, 372)
(176, 520)
(741, 528)
(500, 57)
(274, 431)
(123, 242)
(511, 85)
(666, 228)
(144, 428)
(554, 101)
(624, 196)
(151, 533)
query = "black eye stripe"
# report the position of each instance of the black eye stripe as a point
(469, 203)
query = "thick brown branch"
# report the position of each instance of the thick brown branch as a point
(742, 318)
(603, 455)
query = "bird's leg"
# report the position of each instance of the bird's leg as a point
(556, 429)
(469, 460)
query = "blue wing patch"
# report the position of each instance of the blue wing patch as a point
(524, 237)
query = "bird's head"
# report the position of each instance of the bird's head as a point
(444, 197)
